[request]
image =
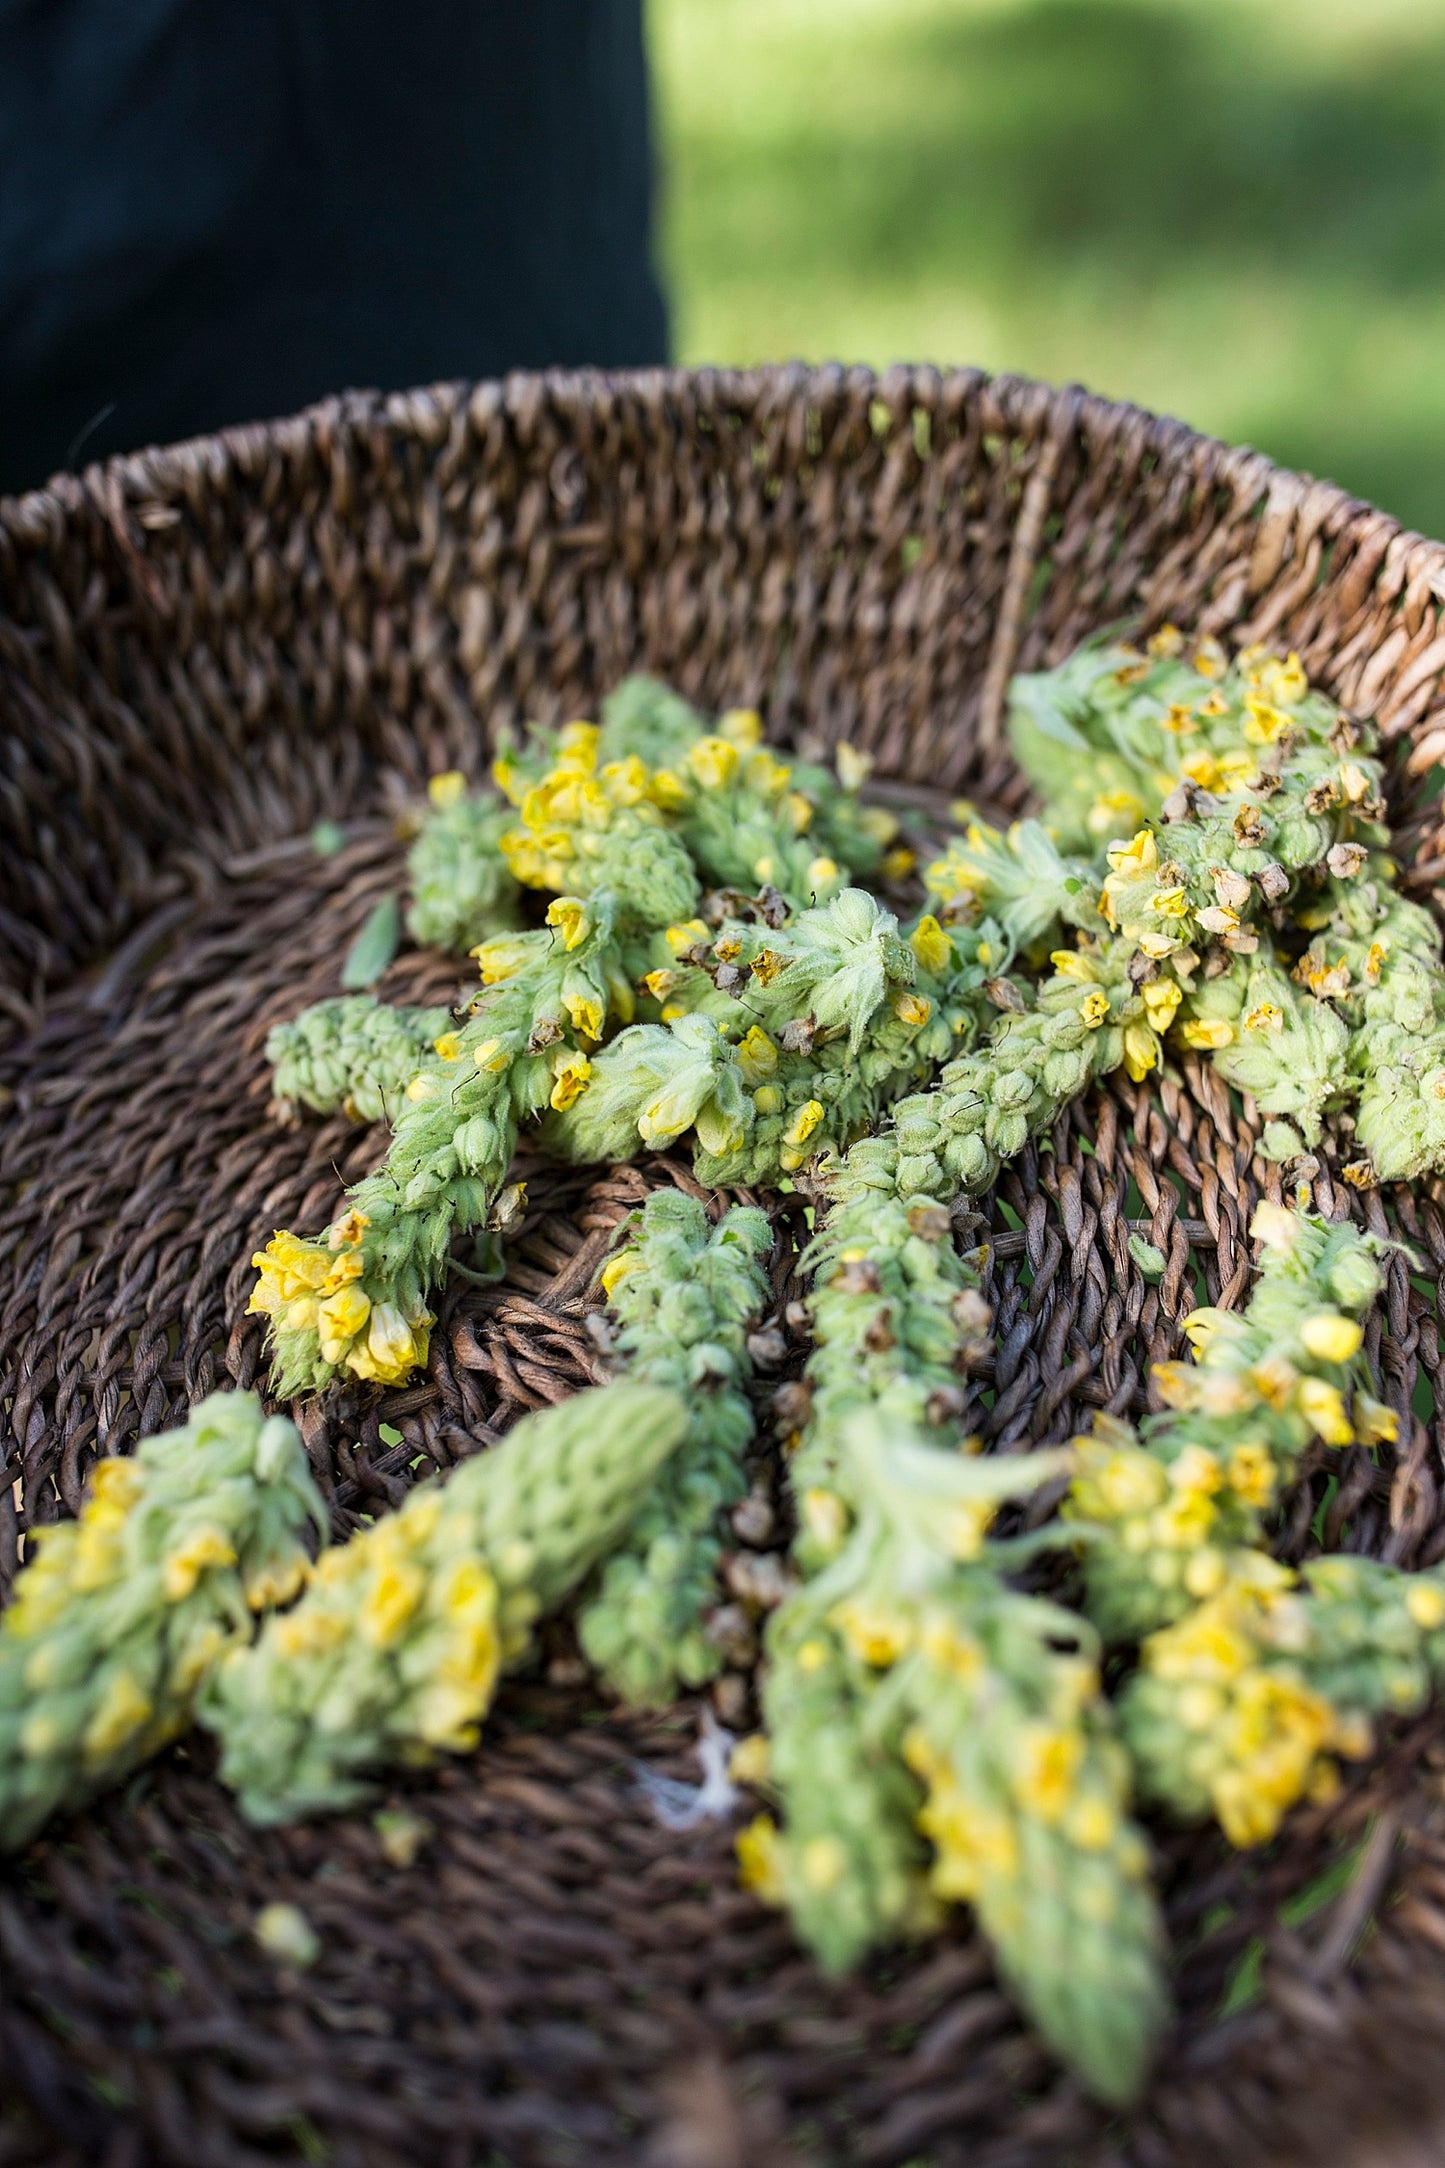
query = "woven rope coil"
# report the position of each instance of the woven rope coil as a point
(205, 650)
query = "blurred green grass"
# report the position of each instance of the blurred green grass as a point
(1229, 210)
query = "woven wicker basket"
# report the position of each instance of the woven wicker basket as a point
(202, 652)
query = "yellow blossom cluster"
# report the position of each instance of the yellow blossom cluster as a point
(320, 1287)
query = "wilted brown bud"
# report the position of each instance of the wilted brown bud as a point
(792, 1405)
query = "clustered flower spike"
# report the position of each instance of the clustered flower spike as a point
(684, 1294)
(934, 1736)
(394, 1650)
(1177, 1504)
(461, 887)
(119, 1618)
(354, 1055)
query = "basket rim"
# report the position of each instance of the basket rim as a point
(152, 472)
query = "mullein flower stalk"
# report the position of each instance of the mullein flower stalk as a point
(910, 1656)
(1249, 1703)
(833, 1015)
(461, 887)
(392, 1655)
(118, 1618)
(353, 1055)
(1117, 737)
(1171, 1510)
(935, 1736)
(746, 818)
(1088, 1017)
(355, 1300)
(683, 1293)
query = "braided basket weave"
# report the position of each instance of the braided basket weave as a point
(205, 650)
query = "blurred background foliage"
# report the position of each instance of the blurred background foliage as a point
(1229, 210)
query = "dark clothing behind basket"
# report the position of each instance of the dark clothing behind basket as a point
(214, 211)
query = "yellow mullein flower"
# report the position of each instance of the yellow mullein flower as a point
(1113, 811)
(447, 790)
(121, 1714)
(742, 727)
(1201, 769)
(1141, 1051)
(501, 958)
(910, 1008)
(1161, 998)
(1046, 1764)
(822, 1863)
(1195, 1470)
(878, 825)
(1071, 965)
(423, 1087)
(876, 1635)
(748, 1761)
(669, 792)
(854, 767)
(760, 1868)
(1139, 856)
(757, 1056)
(578, 743)
(183, 1567)
(821, 871)
(1324, 1410)
(1275, 1227)
(1425, 1604)
(339, 1319)
(1170, 903)
(804, 1122)
(1375, 1423)
(946, 1645)
(770, 778)
(1265, 722)
(1204, 1328)
(931, 945)
(766, 965)
(1332, 1338)
(896, 864)
(625, 782)
(1204, 1033)
(569, 1082)
(800, 812)
(689, 935)
(714, 762)
(571, 918)
(586, 1015)
(448, 1047)
(1167, 641)
(768, 1099)
(348, 1230)
(617, 1269)
(1251, 1474)
(491, 1056)
(1094, 1008)
(825, 1517)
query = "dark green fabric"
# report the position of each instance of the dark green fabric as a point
(213, 211)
